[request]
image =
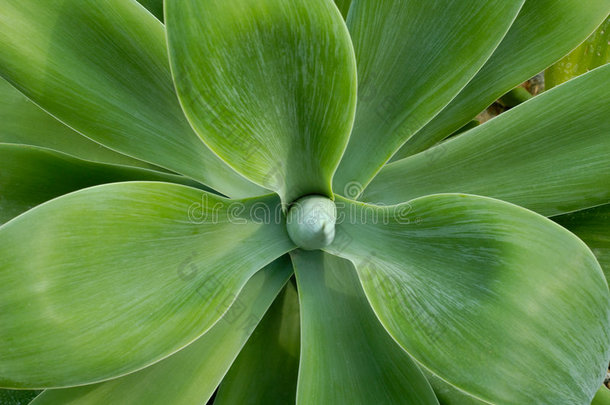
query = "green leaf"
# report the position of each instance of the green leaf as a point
(107, 280)
(32, 175)
(544, 32)
(266, 370)
(269, 85)
(13, 397)
(592, 53)
(343, 6)
(413, 58)
(154, 6)
(494, 299)
(23, 122)
(602, 397)
(346, 355)
(191, 375)
(593, 227)
(549, 154)
(101, 68)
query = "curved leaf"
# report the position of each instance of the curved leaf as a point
(265, 372)
(487, 295)
(191, 375)
(343, 6)
(107, 280)
(154, 6)
(549, 154)
(32, 175)
(346, 355)
(593, 227)
(592, 53)
(23, 122)
(544, 31)
(269, 85)
(101, 68)
(413, 58)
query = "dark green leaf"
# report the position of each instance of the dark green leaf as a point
(593, 227)
(266, 370)
(32, 175)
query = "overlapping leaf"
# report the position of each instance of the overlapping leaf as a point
(413, 58)
(592, 53)
(269, 85)
(346, 355)
(593, 227)
(266, 370)
(107, 280)
(544, 31)
(549, 154)
(191, 375)
(23, 122)
(32, 175)
(487, 295)
(101, 67)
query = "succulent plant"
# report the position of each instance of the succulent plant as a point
(284, 201)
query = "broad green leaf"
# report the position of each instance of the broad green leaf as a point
(593, 227)
(266, 370)
(544, 32)
(101, 68)
(13, 397)
(30, 176)
(107, 280)
(485, 294)
(347, 357)
(592, 53)
(191, 375)
(413, 58)
(549, 154)
(343, 6)
(269, 85)
(602, 397)
(154, 6)
(23, 122)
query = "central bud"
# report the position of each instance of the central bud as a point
(311, 222)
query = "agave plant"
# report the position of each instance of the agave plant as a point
(252, 202)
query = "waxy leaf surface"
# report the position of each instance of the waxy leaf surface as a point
(31, 175)
(266, 370)
(544, 32)
(485, 294)
(191, 375)
(347, 357)
(107, 280)
(549, 154)
(101, 67)
(269, 85)
(413, 58)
